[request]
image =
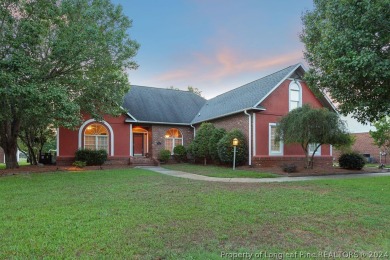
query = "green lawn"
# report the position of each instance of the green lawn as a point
(137, 214)
(218, 171)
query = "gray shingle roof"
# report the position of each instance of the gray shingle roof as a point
(242, 98)
(148, 104)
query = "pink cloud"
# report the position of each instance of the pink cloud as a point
(225, 62)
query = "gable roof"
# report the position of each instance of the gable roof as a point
(168, 106)
(157, 105)
(246, 97)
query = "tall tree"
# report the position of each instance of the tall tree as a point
(307, 126)
(59, 59)
(381, 135)
(347, 47)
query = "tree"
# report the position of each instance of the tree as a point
(190, 89)
(226, 149)
(194, 90)
(347, 46)
(216, 136)
(307, 126)
(382, 134)
(58, 61)
(200, 145)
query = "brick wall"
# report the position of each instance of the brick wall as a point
(237, 121)
(364, 144)
(158, 137)
(299, 161)
(1, 155)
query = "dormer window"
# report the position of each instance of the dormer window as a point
(295, 95)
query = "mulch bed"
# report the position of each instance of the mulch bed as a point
(52, 168)
(317, 171)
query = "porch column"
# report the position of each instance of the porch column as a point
(131, 139)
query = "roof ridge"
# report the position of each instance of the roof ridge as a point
(253, 81)
(162, 88)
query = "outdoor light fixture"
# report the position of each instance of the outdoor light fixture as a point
(235, 143)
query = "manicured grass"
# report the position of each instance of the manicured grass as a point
(137, 214)
(218, 171)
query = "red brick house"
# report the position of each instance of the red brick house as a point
(159, 119)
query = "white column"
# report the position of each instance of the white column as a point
(254, 134)
(131, 139)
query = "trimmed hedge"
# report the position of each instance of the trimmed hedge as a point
(180, 153)
(91, 157)
(352, 161)
(225, 148)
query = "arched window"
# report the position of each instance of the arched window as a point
(96, 137)
(173, 137)
(295, 95)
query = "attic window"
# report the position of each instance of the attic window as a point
(295, 95)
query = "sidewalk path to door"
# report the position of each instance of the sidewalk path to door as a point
(258, 180)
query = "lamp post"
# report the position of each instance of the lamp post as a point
(235, 143)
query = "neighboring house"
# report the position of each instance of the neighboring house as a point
(2, 156)
(159, 119)
(364, 144)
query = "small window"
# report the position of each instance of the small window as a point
(274, 148)
(295, 95)
(312, 147)
(173, 138)
(96, 137)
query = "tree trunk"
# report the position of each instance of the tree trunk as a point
(10, 150)
(205, 161)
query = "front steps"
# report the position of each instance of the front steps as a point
(143, 161)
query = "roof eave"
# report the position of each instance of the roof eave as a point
(229, 114)
(156, 123)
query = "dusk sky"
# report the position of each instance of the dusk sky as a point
(214, 45)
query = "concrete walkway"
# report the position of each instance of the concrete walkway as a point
(192, 176)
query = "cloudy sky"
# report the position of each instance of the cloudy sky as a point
(213, 45)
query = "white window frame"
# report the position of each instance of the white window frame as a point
(97, 138)
(173, 139)
(311, 150)
(281, 146)
(291, 88)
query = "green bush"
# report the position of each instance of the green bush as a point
(216, 135)
(79, 164)
(91, 157)
(164, 156)
(289, 168)
(352, 161)
(200, 145)
(225, 148)
(180, 153)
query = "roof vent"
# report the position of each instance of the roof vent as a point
(199, 114)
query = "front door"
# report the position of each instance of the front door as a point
(138, 144)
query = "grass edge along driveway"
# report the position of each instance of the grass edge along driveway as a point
(218, 171)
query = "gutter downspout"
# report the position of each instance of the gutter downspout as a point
(194, 130)
(250, 136)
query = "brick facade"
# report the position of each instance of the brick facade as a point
(364, 144)
(237, 121)
(157, 142)
(1, 155)
(299, 161)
